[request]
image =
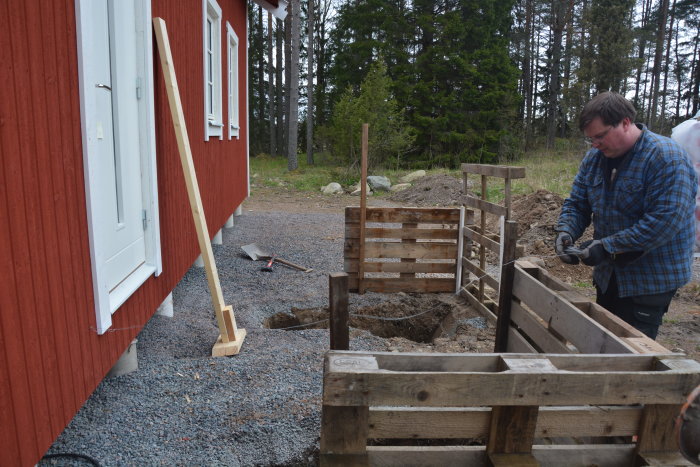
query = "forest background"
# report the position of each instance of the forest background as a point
(448, 81)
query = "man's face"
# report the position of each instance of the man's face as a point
(612, 141)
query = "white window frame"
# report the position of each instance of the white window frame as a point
(213, 122)
(233, 82)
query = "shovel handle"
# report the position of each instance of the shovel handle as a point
(292, 265)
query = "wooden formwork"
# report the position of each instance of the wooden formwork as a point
(501, 409)
(547, 315)
(402, 246)
(477, 239)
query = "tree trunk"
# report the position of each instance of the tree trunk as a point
(295, 38)
(261, 82)
(559, 20)
(667, 61)
(287, 69)
(279, 100)
(310, 88)
(527, 73)
(658, 58)
(271, 88)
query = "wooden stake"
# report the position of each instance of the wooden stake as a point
(230, 338)
(363, 209)
(338, 307)
(505, 297)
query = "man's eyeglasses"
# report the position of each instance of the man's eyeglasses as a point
(597, 138)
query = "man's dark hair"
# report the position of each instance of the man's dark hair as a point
(611, 107)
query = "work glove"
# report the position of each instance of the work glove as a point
(593, 253)
(563, 241)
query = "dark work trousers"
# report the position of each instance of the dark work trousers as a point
(644, 312)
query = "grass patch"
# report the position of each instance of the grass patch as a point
(551, 171)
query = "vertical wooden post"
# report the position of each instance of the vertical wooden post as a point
(460, 250)
(363, 210)
(657, 430)
(230, 337)
(505, 295)
(338, 307)
(482, 248)
(508, 197)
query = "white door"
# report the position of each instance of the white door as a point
(118, 134)
(119, 168)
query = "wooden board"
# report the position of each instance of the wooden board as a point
(494, 170)
(393, 267)
(491, 208)
(473, 235)
(474, 422)
(430, 250)
(353, 231)
(228, 342)
(536, 330)
(585, 333)
(402, 215)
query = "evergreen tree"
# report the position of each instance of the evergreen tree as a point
(389, 135)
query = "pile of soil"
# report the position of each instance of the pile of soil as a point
(432, 190)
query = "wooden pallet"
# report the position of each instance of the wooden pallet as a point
(508, 404)
(401, 245)
(547, 315)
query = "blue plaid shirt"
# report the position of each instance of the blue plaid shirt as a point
(647, 207)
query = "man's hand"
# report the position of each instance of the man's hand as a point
(563, 241)
(593, 252)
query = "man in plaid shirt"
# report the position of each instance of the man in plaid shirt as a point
(639, 189)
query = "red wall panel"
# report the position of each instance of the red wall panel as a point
(51, 356)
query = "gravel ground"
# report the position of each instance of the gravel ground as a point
(261, 407)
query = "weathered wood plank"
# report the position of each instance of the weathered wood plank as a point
(344, 432)
(505, 296)
(512, 429)
(401, 284)
(478, 272)
(547, 456)
(487, 206)
(530, 325)
(482, 240)
(427, 250)
(371, 266)
(338, 310)
(585, 333)
(402, 215)
(501, 171)
(353, 231)
(474, 422)
(547, 388)
(492, 362)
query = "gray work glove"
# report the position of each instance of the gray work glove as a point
(563, 241)
(593, 253)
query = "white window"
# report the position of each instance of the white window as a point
(213, 125)
(232, 60)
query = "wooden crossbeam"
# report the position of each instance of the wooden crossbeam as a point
(230, 337)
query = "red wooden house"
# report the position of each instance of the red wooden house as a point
(95, 225)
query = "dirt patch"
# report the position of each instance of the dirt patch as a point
(408, 322)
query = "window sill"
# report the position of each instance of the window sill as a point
(215, 129)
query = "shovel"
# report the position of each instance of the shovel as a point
(255, 253)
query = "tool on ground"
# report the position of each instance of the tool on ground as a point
(255, 253)
(688, 428)
(268, 266)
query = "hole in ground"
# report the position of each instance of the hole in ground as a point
(379, 319)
